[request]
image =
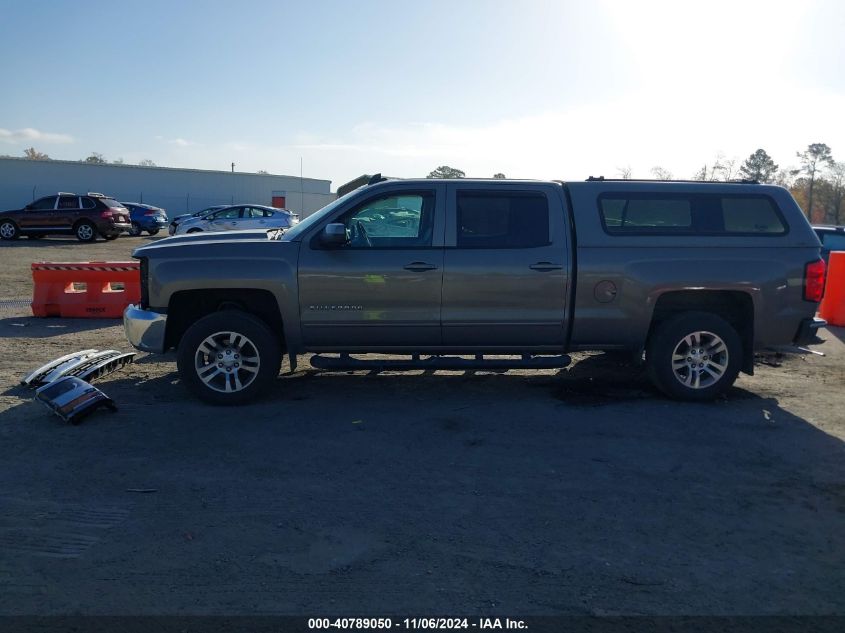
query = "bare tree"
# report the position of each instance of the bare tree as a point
(499, 176)
(146, 163)
(661, 174)
(33, 154)
(624, 172)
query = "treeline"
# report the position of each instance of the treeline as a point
(94, 158)
(817, 183)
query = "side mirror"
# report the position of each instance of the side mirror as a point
(334, 234)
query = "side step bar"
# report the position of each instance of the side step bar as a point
(345, 361)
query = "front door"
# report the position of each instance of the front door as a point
(38, 216)
(506, 267)
(226, 219)
(381, 290)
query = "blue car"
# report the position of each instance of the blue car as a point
(145, 217)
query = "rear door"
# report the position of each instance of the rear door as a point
(506, 266)
(68, 210)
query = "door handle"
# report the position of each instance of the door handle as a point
(419, 267)
(545, 266)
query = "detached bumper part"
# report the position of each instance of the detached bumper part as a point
(808, 331)
(86, 364)
(72, 399)
(144, 328)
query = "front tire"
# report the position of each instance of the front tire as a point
(694, 356)
(85, 232)
(229, 357)
(153, 231)
(111, 237)
(9, 230)
(194, 231)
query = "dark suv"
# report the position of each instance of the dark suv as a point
(85, 216)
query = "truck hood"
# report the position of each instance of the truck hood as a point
(194, 242)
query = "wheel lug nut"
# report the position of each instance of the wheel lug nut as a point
(220, 364)
(237, 356)
(228, 369)
(701, 364)
(220, 356)
(237, 364)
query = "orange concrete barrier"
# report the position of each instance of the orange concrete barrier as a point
(84, 289)
(832, 308)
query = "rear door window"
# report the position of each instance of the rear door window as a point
(68, 202)
(502, 219)
(88, 203)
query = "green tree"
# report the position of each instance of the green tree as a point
(146, 163)
(444, 171)
(813, 159)
(33, 154)
(759, 166)
(499, 176)
(95, 158)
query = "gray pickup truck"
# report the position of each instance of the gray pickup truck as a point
(690, 278)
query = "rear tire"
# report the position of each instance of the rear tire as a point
(694, 356)
(194, 231)
(9, 230)
(153, 231)
(229, 357)
(85, 232)
(135, 230)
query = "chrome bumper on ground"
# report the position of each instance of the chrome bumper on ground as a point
(144, 328)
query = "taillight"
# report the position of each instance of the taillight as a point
(814, 280)
(106, 214)
(150, 212)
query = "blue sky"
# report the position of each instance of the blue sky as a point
(531, 88)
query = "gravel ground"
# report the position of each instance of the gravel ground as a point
(518, 493)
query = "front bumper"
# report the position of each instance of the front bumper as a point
(144, 328)
(807, 331)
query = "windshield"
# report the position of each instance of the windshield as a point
(314, 218)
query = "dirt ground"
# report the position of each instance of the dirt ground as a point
(518, 493)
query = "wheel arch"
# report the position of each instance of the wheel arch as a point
(187, 306)
(734, 306)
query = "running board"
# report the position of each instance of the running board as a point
(346, 362)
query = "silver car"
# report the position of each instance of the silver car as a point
(239, 217)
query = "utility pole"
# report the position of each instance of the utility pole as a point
(301, 191)
(233, 168)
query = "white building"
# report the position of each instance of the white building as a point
(177, 190)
